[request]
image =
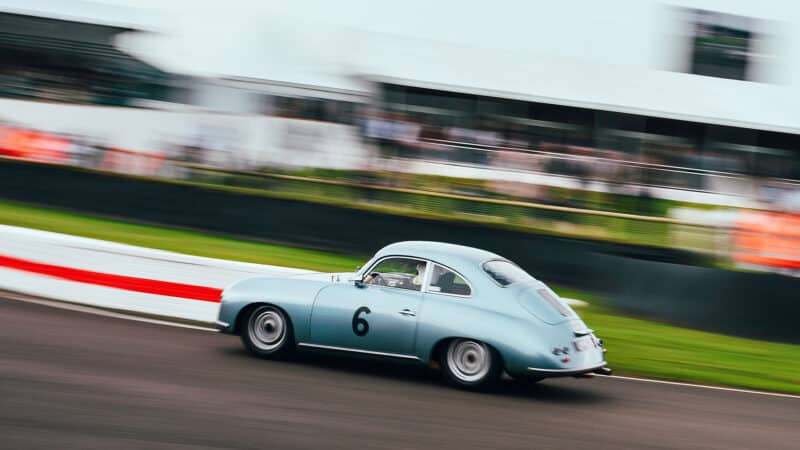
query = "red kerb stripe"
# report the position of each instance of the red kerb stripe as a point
(188, 291)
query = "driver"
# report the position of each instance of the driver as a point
(370, 279)
(417, 281)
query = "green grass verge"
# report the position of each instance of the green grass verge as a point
(636, 346)
(656, 350)
(176, 240)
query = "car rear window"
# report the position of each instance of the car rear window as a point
(504, 272)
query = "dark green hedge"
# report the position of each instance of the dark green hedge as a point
(660, 283)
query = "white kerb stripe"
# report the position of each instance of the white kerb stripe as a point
(703, 386)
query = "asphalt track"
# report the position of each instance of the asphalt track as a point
(71, 380)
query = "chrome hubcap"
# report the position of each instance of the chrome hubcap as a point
(468, 360)
(267, 329)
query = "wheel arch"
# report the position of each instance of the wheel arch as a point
(440, 346)
(294, 298)
(245, 311)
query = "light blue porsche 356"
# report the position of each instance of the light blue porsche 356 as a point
(473, 312)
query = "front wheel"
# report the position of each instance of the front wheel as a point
(268, 333)
(470, 364)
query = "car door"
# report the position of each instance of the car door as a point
(378, 317)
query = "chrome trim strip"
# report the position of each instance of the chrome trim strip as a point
(426, 276)
(566, 371)
(353, 350)
(449, 295)
(221, 324)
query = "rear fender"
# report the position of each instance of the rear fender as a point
(519, 338)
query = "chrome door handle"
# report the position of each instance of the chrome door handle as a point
(407, 312)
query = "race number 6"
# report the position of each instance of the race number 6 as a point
(360, 325)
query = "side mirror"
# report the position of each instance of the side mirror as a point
(359, 283)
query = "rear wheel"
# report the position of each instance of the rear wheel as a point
(470, 364)
(268, 333)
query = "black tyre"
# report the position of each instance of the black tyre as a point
(470, 364)
(267, 333)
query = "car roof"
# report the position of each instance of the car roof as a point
(443, 252)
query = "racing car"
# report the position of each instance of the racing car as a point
(473, 313)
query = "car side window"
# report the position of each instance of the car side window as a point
(445, 281)
(401, 273)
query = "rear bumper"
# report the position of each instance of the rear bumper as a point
(551, 373)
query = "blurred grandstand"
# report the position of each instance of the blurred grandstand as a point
(401, 104)
(52, 59)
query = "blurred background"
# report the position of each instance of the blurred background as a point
(629, 147)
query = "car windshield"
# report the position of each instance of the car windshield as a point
(505, 272)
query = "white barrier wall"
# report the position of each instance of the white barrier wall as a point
(120, 259)
(242, 139)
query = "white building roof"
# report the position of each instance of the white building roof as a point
(620, 55)
(84, 11)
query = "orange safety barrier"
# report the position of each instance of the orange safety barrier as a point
(768, 239)
(33, 145)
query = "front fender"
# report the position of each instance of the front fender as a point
(294, 296)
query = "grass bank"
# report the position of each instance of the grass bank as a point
(636, 346)
(176, 240)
